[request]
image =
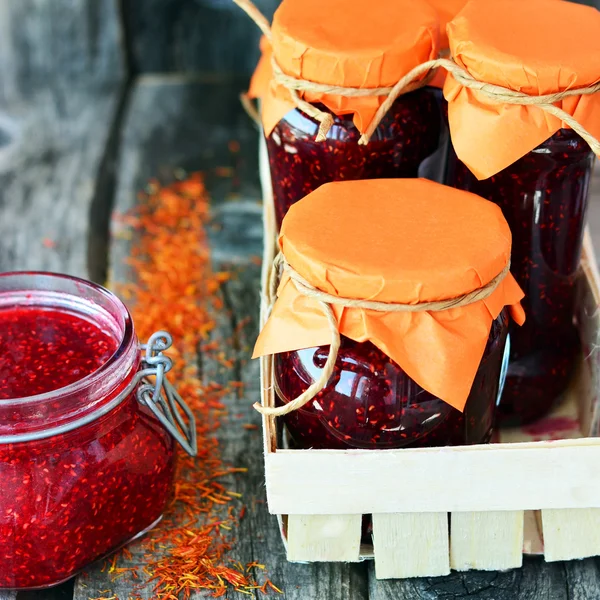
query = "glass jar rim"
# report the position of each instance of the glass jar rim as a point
(124, 342)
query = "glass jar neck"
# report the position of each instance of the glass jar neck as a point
(85, 398)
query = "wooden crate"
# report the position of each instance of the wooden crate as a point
(535, 490)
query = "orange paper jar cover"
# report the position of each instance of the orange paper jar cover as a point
(537, 47)
(401, 241)
(348, 43)
(261, 78)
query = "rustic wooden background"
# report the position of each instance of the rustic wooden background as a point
(97, 96)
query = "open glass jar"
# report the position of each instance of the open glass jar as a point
(87, 441)
(311, 42)
(526, 158)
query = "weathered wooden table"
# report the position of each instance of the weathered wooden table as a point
(71, 155)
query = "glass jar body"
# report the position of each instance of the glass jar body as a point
(409, 134)
(72, 499)
(544, 199)
(371, 403)
(84, 468)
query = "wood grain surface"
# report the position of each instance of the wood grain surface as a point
(58, 44)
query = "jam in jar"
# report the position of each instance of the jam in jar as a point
(410, 133)
(422, 322)
(533, 163)
(311, 43)
(543, 196)
(370, 402)
(86, 455)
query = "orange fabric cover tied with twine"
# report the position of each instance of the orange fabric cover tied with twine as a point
(536, 47)
(361, 44)
(263, 73)
(402, 241)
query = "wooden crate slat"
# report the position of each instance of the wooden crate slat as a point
(468, 478)
(411, 545)
(570, 534)
(487, 541)
(323, 538)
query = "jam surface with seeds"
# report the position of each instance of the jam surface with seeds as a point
(544, 199)
(371, 403)
(71, 499)
(42, 350)
(408, 134)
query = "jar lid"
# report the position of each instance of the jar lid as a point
(349, 44)
(536, 47)
(406, 241)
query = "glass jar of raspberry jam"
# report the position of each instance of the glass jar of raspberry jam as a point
(544, 199)
(417, 328)
(87, 447)
(371, 403)
(310, 42)
(524, 158)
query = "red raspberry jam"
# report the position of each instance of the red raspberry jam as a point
(409, 134)
(42, 350)
(544, 199)
(71, 495)
(371, 403)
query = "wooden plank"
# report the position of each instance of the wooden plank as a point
(488, 541)
(323, 538)
(535, 581)
(58, 44)
(411, 545)
(51, 170)
(570, 534)
(459, 479)
(177, 123)
(209, 36)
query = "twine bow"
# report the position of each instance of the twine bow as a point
(326, 301)
(414, 79)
